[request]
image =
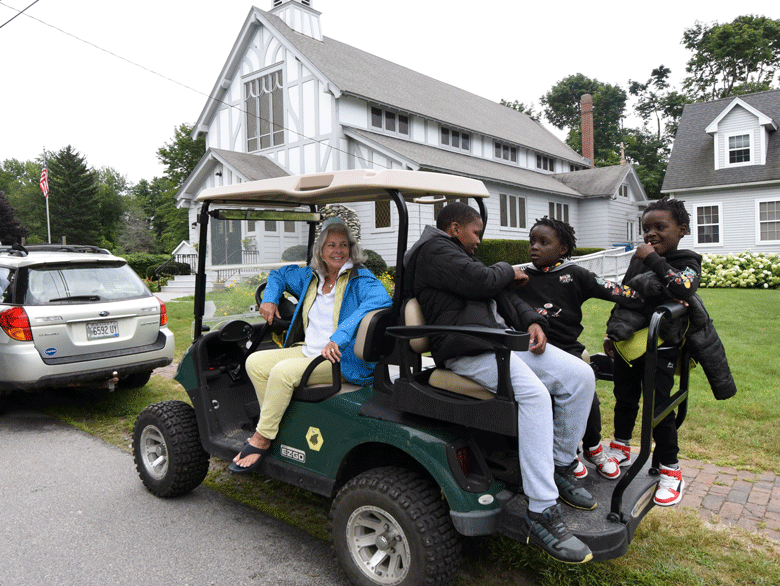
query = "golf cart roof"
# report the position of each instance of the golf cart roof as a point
(344, 186)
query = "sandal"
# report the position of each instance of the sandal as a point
(248, 450)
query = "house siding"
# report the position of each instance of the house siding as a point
(739, 221)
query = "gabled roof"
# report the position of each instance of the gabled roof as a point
(763, 119)
(423, 157)
(248, 167)
(597, 182)
(691, 164)
(348, 70)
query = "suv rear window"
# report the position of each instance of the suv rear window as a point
(82, 283)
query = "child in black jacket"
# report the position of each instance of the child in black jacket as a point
(664, 223)
(557, 288)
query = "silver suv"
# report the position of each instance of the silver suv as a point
(77, 316)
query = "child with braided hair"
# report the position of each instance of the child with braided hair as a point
(557, 288)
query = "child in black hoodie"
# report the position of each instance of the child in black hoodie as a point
(557, 288)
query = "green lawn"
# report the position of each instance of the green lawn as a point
(672, 546)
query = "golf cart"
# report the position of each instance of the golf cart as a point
(413, 461)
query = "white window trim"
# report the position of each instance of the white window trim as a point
(726, 150)
(383, 229)
(760, 242)
(695, 222)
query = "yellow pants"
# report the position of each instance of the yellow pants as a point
(275, 374)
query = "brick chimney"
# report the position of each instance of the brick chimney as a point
(586, 107)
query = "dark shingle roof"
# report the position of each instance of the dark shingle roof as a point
(691, 164)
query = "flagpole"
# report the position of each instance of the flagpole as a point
(48, 224)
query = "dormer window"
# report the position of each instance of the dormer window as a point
(504, 151)
(455, 139)
(389, 121)
(739, 149)
(546, 163)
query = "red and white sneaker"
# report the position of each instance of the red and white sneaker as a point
(619, 452)
(580, 471)
(670, 487)
(607, 467)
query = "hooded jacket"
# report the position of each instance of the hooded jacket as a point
(658, 281)
(455, 288)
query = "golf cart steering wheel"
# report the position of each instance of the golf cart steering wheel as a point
(286, 309)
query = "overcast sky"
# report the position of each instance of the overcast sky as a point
(65, 77)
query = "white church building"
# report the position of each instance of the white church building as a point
(290, 100)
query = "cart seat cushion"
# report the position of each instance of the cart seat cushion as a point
(441, 378)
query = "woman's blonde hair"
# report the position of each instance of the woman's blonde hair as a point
(336, 225)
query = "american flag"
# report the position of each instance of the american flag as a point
(44, 184)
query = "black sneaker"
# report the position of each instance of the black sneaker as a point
(570, 493)
(548, 531)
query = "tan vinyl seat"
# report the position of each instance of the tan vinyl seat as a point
(441, 378)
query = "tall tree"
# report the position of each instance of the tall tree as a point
(562, 110)
(112, 187)
(74, 203)
(180, 156)
(19, 180)
(11, 231)
(739, 57)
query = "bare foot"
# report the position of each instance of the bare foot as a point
(257, 441)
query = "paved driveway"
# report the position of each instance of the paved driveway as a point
(75, 513)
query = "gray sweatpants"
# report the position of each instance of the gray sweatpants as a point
(543, 441)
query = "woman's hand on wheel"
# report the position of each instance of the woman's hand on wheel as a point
(332, 352)
(269, 311)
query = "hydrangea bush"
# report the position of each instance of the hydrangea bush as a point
(745, 270)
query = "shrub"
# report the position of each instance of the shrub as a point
(295, 253)
(745, 270)
(375, 263)
(141, 261)
(585, 251)
(512, 251)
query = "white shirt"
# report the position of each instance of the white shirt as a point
(320, 327)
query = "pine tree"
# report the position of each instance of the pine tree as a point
(11, 231)
(74, 205)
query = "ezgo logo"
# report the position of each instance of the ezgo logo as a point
(293, 454)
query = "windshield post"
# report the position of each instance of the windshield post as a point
(200, 277)
(403, 236)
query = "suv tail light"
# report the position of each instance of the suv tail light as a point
(163, 313)
(16, 324)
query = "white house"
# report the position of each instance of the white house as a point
(725, 165)
(290, 100)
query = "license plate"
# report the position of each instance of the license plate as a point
(97, 330)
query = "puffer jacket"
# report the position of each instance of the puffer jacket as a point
(696, 328)
(457, 289)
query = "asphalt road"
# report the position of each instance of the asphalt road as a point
(75, 513)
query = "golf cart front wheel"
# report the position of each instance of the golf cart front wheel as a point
(390, 526)
(166, 447)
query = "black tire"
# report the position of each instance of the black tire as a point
(136, 380)
(422, 545)
(166, 447)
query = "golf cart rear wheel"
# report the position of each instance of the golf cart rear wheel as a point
(166, 447)
(391, 526)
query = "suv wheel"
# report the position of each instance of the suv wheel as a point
(391, 526)
(166, 447)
